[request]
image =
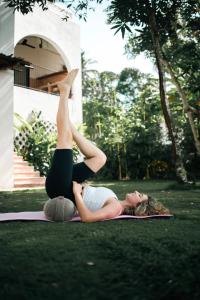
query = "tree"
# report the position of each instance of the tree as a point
(80, 7)
(181, 57)
(85, 62)
(103, 117)
(158, 20)
(129, 85)
(128, 130)
(90, 83)
(180, 54)
(27, 6)
(150, 15)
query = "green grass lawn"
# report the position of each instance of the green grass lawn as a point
(141, 259)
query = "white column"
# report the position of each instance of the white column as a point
(6, 129)
(6, 99)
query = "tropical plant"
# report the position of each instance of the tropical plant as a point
(127, 128)
(38, 141)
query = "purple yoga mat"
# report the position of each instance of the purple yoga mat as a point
(40, 216)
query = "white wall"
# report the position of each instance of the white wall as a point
(6, 100)
(6, 30)
(63, 36)
(26, 100)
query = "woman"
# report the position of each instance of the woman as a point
(66, 180)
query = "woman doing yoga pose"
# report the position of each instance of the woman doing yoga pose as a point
(66, 179)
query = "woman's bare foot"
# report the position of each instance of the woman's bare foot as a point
(70, 77)
(64, 86)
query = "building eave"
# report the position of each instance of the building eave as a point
(9, 62)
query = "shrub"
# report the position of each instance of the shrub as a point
(36, 142)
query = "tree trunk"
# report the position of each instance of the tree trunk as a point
(119, 162)
(179, 167)
(186, 106)
(126, 167)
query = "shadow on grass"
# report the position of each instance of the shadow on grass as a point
(183, 186)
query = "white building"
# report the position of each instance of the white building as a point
(52, 47)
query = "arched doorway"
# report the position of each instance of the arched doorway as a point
(46, 66)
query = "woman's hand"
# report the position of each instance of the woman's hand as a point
(77, 188)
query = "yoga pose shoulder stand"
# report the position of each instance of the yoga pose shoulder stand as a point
(65, 180)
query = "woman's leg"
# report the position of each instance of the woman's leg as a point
(95, 158)
(59, 178)
(65, 137)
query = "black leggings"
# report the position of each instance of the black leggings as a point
(62, 172)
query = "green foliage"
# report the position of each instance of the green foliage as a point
(124, 120)
(192, 159)
(26, 7)
(36, 142)
(129, 85)
(179, 36)
(39, 142)
(144, 140)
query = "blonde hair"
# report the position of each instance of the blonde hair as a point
(59, 209)
(148, 207)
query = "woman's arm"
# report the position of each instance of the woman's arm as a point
(109, 211)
